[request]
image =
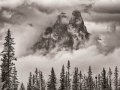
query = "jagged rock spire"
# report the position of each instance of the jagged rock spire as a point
(68, 34)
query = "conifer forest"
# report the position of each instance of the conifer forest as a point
(59, 44)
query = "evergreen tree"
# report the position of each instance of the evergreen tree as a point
(29, 87)
(99, 82)
(8, 57)
(35, 79)
(22, 87)
(62, 79)
(110, 81)
(104, 83)
(75, 85)
(90, 79)
(84, 82)
(80, 75)
(42, 81)
(68, 70)
(52, 81)
(116, 79)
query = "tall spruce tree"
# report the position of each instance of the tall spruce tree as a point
(90, 79)
(81, 77)
(22, 87)
(99, 82)
(104, 83)
(29, 87)
(68, 75)
(42, 81)
(8, 56)
(116, 79)
(110, 80)
(52, 81)
(75, 85)
(36, 82)
(62, 79)
(84, 82)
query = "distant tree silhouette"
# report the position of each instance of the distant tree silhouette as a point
(42, 81)
(22, 87)
(68, 76)
(104, 82)
(29, 87)
(81, 77)
(75, 85)
(99, 82)
(116, 79)
(52, 81)
(110, 80)
(62, 79)
(90, 79)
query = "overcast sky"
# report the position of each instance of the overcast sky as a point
(27, 20)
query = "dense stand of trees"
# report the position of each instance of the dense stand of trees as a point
(79, 81)
(68, 81)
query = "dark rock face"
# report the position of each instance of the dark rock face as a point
(68, 34)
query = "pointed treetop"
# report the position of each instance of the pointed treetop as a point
(68, 65)
(22, 87)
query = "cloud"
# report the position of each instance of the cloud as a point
(10, 4)
(107, 7)
(104, 11)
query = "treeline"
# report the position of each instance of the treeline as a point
(68, 81)
(77, 81)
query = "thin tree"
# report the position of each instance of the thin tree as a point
(29, 87)
(52, 81)
(116, 79)
(68, 70)
(75, 85)
(62, 79)
(42, 81)
(36, 82)
(80, 76)
(90, 79)
(8, 56)
(104, 83)
(110, 80)
(99, 82)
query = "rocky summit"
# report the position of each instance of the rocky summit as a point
(68, 34)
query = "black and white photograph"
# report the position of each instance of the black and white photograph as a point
(59, 44)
